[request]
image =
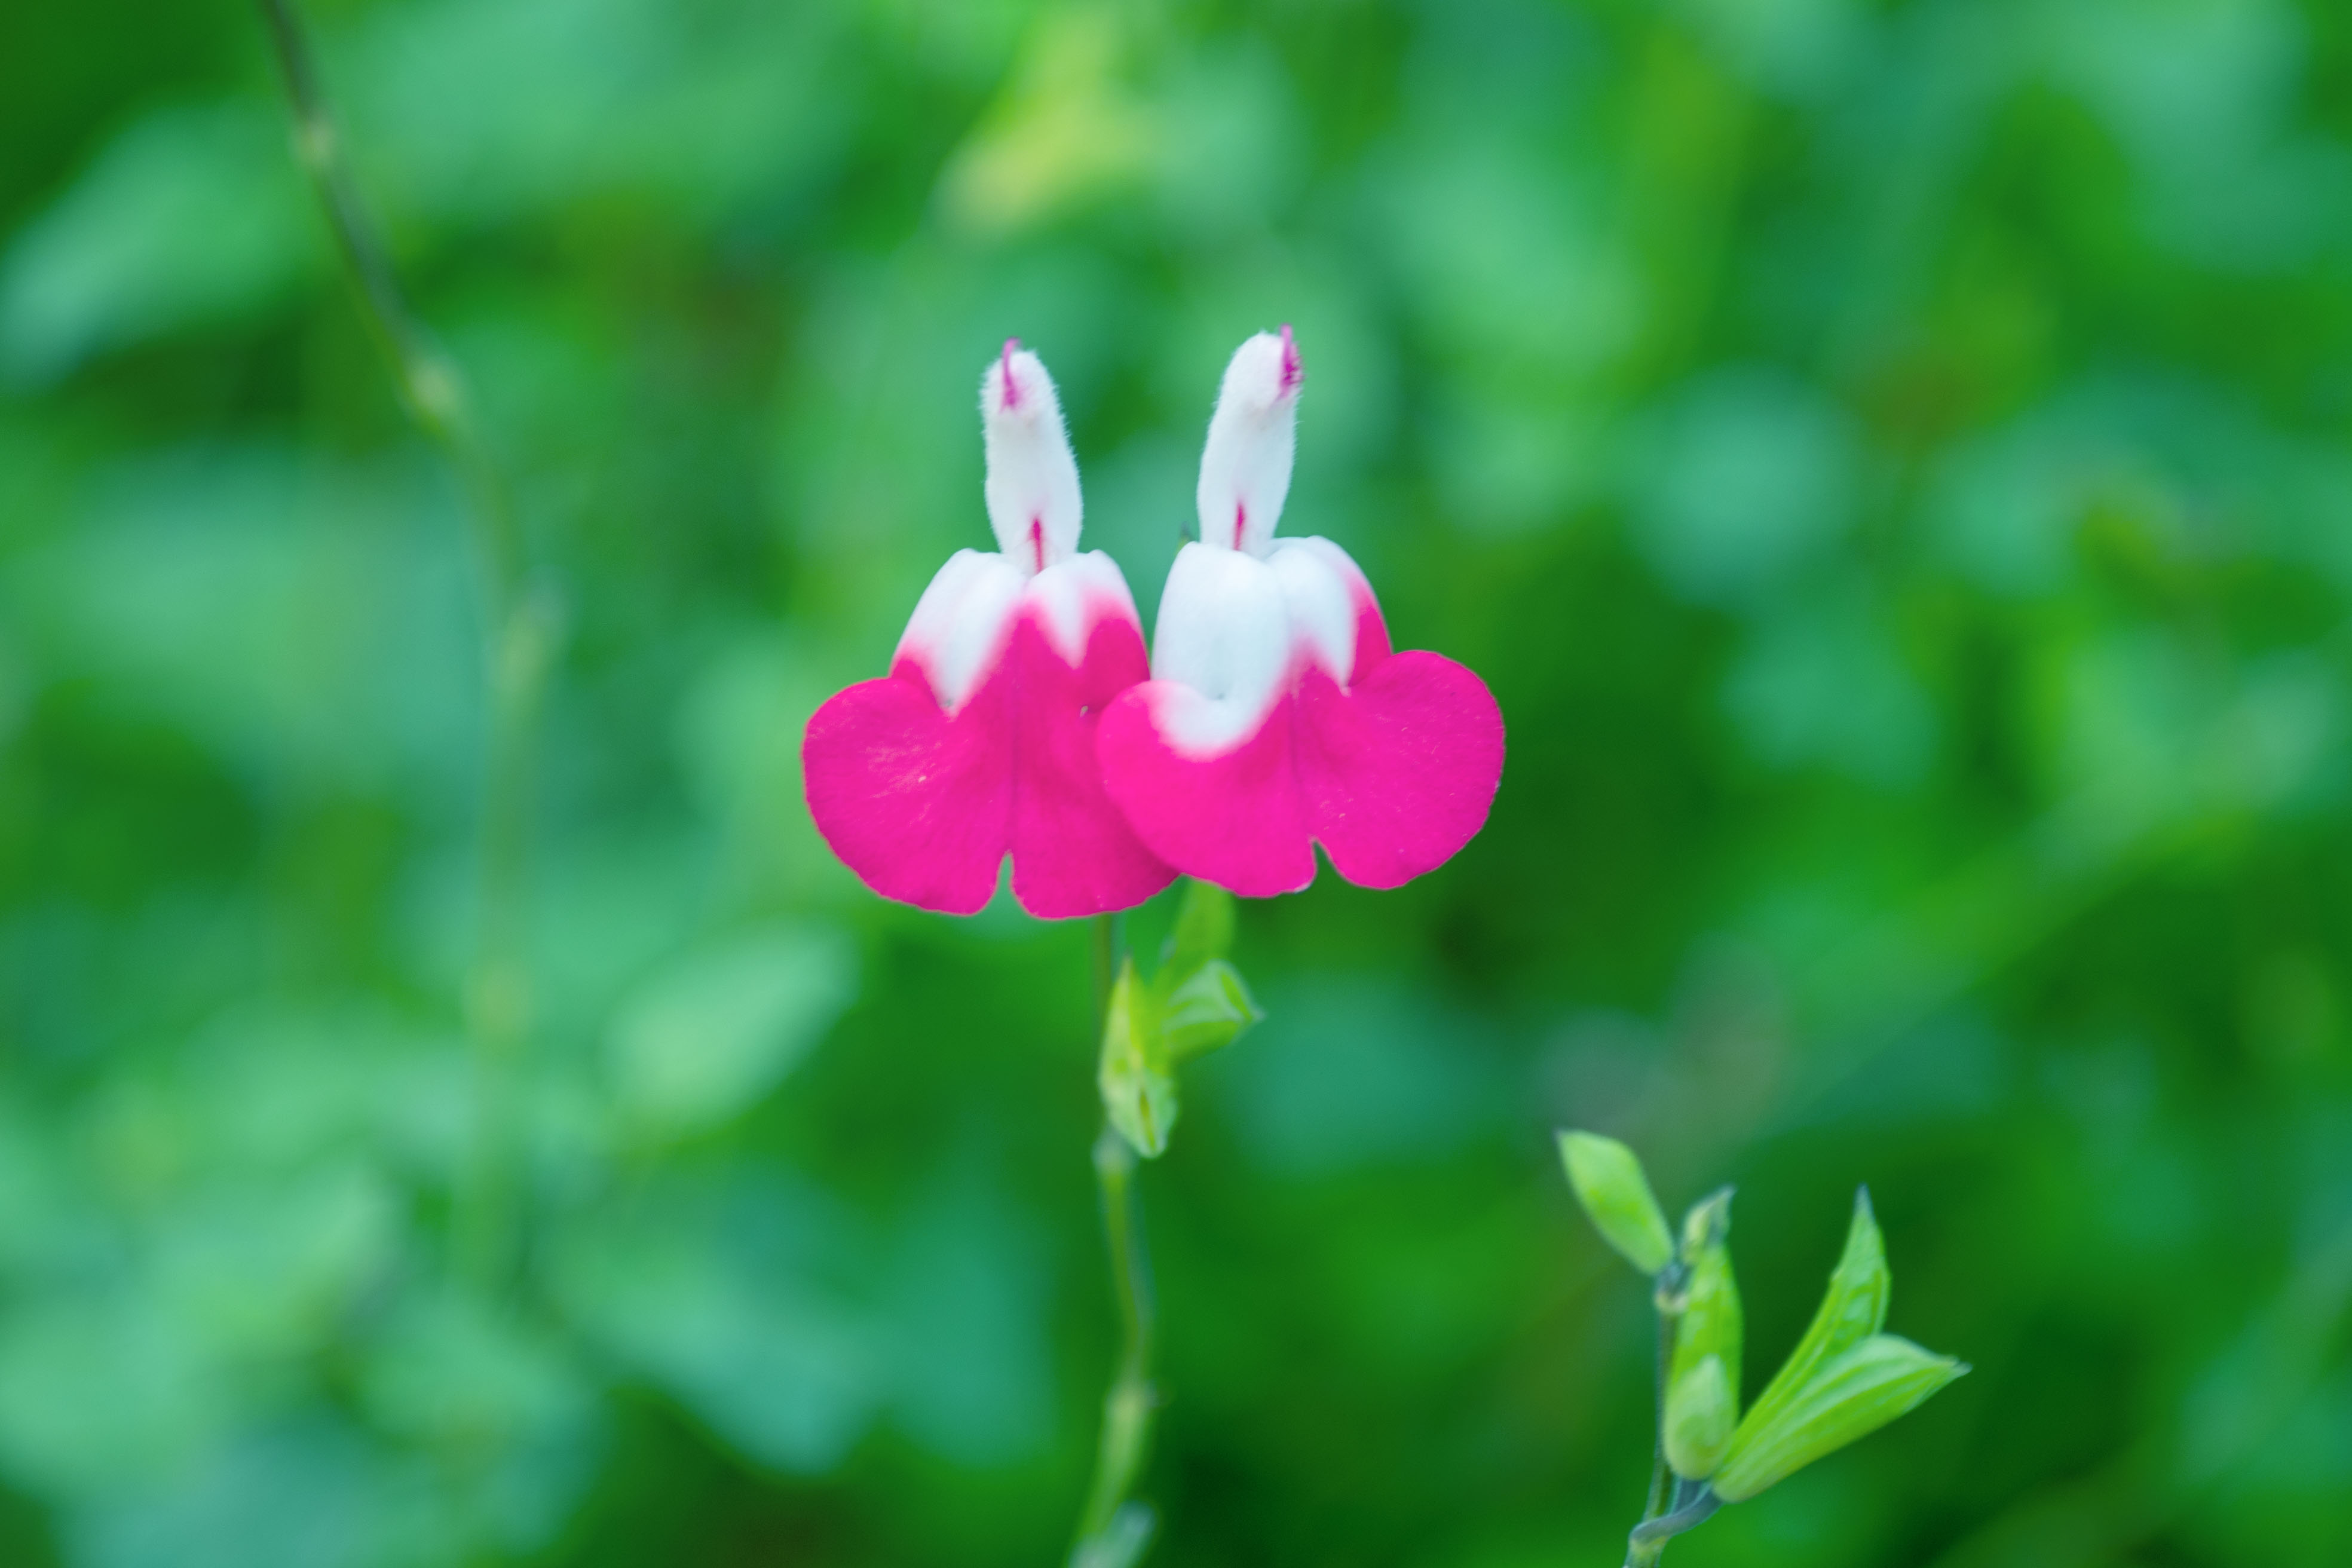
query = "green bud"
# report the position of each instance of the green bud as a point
(1708, 1329)
(1204, 929)
(1854, 1309)
(1196, 1004)
(1616, 1196)
(1850, 1396)
(1206, 1011)
(1138, 1092)
(1701, 1408)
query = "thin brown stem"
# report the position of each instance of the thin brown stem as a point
(520, 635)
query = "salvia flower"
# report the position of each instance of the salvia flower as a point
(1277, 717)
(981, 741)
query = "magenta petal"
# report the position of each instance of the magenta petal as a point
(924, 806)
(1397, 771)
(917, 802)
(1373, 634)
(1073, 852)
(1234, 819)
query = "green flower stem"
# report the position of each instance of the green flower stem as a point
(1666, 1297)
(1657, 1502)
(1128, 1408)
(1105, 934)
(521, 631)
(1113, 1532)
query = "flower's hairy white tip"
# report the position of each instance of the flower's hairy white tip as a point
(1032, 479)
(1246, 467)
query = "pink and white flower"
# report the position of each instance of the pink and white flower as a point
(981, 741)
(1278, 717)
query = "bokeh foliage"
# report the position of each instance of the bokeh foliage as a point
(1890, 460)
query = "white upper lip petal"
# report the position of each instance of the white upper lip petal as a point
(1034, 505)
(1246, 466)
(1243, 612)
(962, 621)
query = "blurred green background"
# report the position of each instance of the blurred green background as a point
(1892, 461)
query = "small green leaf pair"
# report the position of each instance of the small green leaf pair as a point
(1844, 1380)
(1195, 1003)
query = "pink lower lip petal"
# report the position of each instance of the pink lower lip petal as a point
(1073, 852)
(917, 802)
(1232, 819)
(924, 806)
(1397, 771)
(1393, 775)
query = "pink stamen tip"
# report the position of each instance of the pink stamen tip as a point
(1241, 521)
(1037, 539)
(1291, 374)
(1011, 387)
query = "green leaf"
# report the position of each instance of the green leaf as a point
(1209, 1009)
(1854, 1309)
(713, 1032)
(1843, 1381)
(1707, 1333)
(1616, 1196)
(1203, 934)
(448, 1367)
(1848, 1397)
(671, 1290)
(102, 1388)
(190, 217)
(1121, 1542)
(1138, 1092)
